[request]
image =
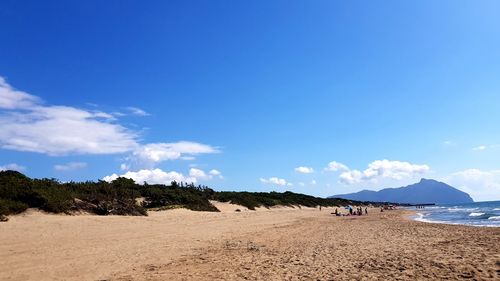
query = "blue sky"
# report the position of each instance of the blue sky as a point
(389, 91)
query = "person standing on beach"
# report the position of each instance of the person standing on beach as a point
(366, 210)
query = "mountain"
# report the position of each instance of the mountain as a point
(425, 191)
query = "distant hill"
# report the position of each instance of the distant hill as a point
(425, 191)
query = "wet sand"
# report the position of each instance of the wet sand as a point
(278, 244)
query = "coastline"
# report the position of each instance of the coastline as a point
(478, 214)
(276, 244)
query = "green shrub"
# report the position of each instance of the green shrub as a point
(9, 207)
(53, 196)
(192, 198)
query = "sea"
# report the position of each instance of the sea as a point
(485, 214)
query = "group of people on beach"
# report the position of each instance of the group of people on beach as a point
(352, 212)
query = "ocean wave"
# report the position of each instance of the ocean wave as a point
(456, 209)
(496, 209)
(494, 218)
(421, 217)
(475, 214)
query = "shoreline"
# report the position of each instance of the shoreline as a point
(275, 244)
(419, 217)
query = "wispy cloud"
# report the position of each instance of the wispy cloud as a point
(11, 98)
(70, 166)
(137, 111)
(30, 125)
(485, 147)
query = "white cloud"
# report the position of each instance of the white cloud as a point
(158, 176)
(313, 182)
(481, 185)
(29, 125)
(302, 184)
(274, 180)
(383, 169)
(137, 111)
(215, 173)
(70, 166)
(12, 167)
(304, 170)
(124, 167)
(154, 153)
(11, 98)
(336, 166)
(154, 176)
(484, 147)
(197, 173)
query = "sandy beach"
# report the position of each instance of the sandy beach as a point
(277, 244)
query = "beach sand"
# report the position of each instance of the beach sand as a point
(276, 244)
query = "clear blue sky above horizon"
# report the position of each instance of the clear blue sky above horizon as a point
(318, 97)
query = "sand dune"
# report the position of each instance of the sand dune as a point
(277, 244)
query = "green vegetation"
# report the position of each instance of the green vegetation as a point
(251, 200)
(18, 192)
(124, 197)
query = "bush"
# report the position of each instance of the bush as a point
(192, 198)
(51, 196)
(9, 207)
